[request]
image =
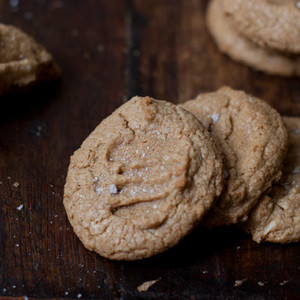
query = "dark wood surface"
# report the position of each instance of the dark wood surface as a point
(110, 50)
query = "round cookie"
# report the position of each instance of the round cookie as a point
(253, 139)
(142, 180)
(23, 62)
(244, 51)
(276, 218)
(268, 23)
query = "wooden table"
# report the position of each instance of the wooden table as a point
(110, 50)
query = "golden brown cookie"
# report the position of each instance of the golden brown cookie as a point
(253, 139)
(142, 180)
(276, 218)
(269, 23)
(23, 62)
(245, 51)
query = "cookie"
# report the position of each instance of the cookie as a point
(253, 139)
(269, 23)
(142, 180)
(276, 218)
(242, 50)
(23, 62)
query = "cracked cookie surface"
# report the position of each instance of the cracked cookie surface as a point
(276, 218)
(253, 139)
(268, 23)
(243, 50)
(142, 180)
(23, 62)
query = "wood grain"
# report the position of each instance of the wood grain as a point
(110, 51)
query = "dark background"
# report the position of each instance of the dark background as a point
(110, 50)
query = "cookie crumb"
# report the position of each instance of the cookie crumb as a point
(20, 207)
(239, 282)
(16, 184)
(86, 55)
(260, 283)
(101, 48)
(74, 32)
(146, 285)
(284, 282)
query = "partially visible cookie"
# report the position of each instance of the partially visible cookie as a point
(276, 218)
(142, 180)
(253, 139)
(268, 23)
(23, 62)
(245, 51)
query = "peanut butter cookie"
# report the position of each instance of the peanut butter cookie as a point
(243, 50)
(142, 180)
(276, 218)
(23, 62)
(253, 139)
(269, 23)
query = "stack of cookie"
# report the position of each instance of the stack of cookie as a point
(152, 171)
(264, 34)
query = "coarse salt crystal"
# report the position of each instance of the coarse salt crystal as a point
(20, 207)
(298, 4)
(99, 190)
(113, 189)
(296, 170)
(79, 295)
(215, 118)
